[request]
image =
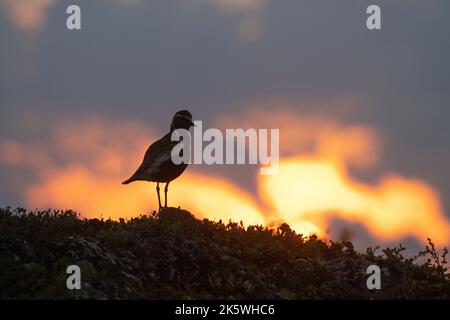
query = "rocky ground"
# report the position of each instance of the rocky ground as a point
(172, 255)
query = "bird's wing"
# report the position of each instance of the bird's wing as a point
(154, 164)
(158, 153)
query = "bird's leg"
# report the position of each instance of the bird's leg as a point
(166, 188)
(159, 198)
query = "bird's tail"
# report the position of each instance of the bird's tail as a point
(128, 181)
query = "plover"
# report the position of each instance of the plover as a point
(157, 165)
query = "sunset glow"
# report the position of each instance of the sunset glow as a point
(314, 190)
(310, 189)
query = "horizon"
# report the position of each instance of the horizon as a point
(362, 114)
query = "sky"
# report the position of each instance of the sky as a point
(362, 114)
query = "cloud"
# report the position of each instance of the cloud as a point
(313, 185)
(314, 190)
(320, 135)
(29, 15)
(244, 6)
(81, 163)
(248, 15)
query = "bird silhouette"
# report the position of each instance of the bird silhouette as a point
(157, 165)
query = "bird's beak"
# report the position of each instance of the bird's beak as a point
(193, 124)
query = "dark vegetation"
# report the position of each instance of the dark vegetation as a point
(172, 255)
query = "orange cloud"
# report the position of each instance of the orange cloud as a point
(308, 191)
(354, 145)
(96, 156)
(31, 15)
(83, 162)
(75, 187)
(313, 188)
(236, 5)
(249, 25)
(27, 14)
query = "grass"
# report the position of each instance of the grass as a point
(172, 255)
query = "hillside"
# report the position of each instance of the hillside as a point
(172, 255)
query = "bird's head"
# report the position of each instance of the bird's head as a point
(182, 120)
